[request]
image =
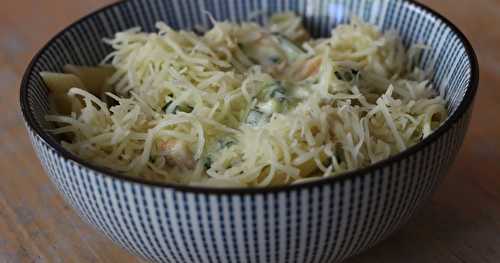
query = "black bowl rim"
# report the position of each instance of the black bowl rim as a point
(465, 104)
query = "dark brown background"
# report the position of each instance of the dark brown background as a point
(461, 224)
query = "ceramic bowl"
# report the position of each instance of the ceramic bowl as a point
(323, 221)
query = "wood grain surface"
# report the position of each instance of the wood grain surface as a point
(460, 224)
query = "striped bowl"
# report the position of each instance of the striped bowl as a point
(323, 221)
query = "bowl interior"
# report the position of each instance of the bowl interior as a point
(450, 60)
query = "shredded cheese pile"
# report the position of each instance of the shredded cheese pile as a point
(244, 105)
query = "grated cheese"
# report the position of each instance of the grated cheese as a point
(245, 105)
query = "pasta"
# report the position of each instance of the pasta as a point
(244, 105)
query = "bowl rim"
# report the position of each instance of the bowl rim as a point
(462, 108)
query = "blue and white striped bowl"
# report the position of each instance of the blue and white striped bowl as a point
(323, 221)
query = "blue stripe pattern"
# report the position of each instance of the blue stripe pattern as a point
(326, 222)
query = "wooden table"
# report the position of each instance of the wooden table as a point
(461, 224)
